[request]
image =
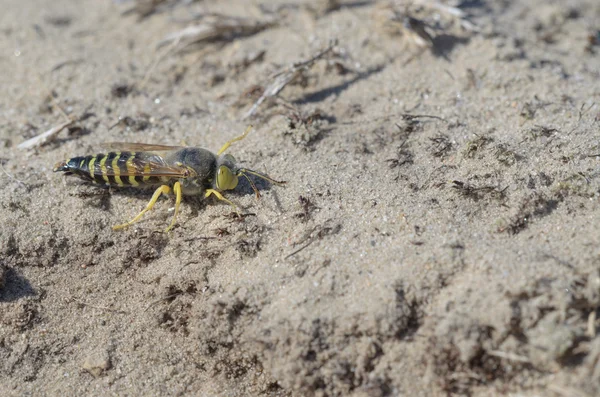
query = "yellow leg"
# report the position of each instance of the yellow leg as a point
(220, 197)
(239, 138)
(161, 190)
(177, 191)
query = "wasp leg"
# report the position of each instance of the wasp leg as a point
(177, 191)
(220, 197)
(239, 138)
(161, 190)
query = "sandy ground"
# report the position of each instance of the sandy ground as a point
(438, 233)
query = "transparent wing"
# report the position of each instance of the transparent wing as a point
(138, 147)
(146, 164)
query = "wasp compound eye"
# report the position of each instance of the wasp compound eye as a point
(226, 179)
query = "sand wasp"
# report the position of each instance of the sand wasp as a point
(181, 170)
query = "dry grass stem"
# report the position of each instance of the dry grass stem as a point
(216, 28)
(285, 76)
(509, 356)
(45, 137)
(453, 12)
(145, 8)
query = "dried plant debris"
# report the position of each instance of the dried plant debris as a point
(475, 146)
(409, 123)
(416, 30)
(473, 79)
(440, 145)
(27, 186)
(403, 157)
(453, 14)
(505, 155)
(45, 137)
(146, 8)
(139, 123)
(528, 110)
(479, 192)
(216, 28)
(419, 20)
(321, 8)
(237, 66)
(149, 247)
(249, 95)
(70, 122)
(593, 41)
(559, 329)
(535, 206)
(121, 90)
(280, 79)
(577, 184)
(312, 117)
(543, 326)
(307, 128)
(307, 208)
(540, 131)
(316, 8)
(395, 22)
(59, 20)
(316, 233)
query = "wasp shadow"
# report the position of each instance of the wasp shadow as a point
(244, 188)
(444, 44)
(73, 133)
(481, 6)
(94, 195)
(355, 4)
(99, 196)
(323, 94)
(15, 286)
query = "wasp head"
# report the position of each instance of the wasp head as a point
(227, 178)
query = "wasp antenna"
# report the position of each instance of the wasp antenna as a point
(262, 176)
(239, 138)
(251, 184)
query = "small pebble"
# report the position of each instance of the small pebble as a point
(96, 363)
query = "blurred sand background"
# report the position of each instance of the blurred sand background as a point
(438, 234)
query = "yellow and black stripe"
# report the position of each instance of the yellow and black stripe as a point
(113, 169)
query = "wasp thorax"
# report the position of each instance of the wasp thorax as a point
(226, 179)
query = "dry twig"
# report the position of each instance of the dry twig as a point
(216, 28)
(396, 22)
(453, 12)
(509, 356)
(145, 8)
(285, 76)
(162, 300)
(108, 309)
(411, 21)
(45, 137)
(315, 233)
(591, 325)
(10, 176)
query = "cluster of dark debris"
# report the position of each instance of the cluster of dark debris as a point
(541, 327)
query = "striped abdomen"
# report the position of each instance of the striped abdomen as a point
(114, 168)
